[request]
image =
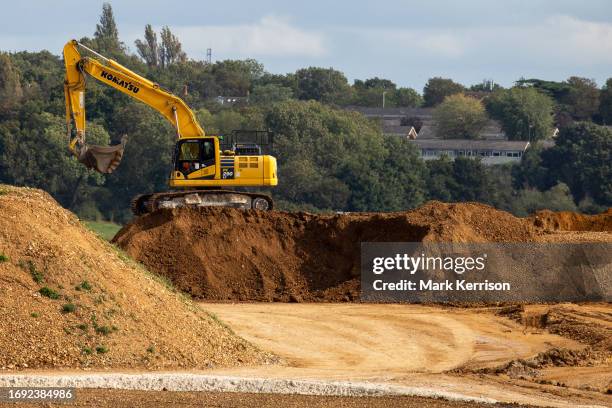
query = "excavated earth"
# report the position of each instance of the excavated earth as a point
(235, 255)
(569, 221)
(70, 299)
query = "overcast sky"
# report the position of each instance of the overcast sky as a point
(402, 40)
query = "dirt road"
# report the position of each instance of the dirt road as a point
(401, 344)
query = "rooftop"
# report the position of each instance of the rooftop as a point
(393, 112)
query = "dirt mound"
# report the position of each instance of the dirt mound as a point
(227, 254)
(570, 221)
(70, 299)
(591, 326)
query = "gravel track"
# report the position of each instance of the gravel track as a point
(213, 383)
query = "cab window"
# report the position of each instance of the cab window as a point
(190, 151)
(208, 151)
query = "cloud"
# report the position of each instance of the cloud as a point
(555, 39)
(569, 39)
(271, 36)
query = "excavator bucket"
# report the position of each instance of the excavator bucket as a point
(103, 159)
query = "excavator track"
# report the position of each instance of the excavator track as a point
(148, 203)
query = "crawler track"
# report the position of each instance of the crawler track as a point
(147, 203)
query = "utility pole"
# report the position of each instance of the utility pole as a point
(384, 93)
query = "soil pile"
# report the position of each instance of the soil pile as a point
(228, 254)
(70, 299)
(570, 221)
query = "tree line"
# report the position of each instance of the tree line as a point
(330, 159)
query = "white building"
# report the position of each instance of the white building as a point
(489, 151)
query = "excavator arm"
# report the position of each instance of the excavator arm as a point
(106, 158)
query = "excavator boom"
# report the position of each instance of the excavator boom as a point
(106, 158)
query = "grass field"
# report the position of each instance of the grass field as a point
(106, 230)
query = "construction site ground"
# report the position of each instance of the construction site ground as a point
(80, 312)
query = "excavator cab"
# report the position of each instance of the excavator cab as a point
(104, 159)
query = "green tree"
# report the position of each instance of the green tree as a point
(107, 35)
(235, 77)
(33, 153)
(335, 159)
(463, 179)
(440, 179)
(530, 173)
(582, 159)
(525, 113)
(471, 180)
(171, 50)
(582, 98)
(322, 84)
(528, 201)
(376, 82)
(407, 98)
(605, 103)
(486, 86)
(148, 49)
(553, 89)
(269, 94)
(10, 84)
(438, 88)
(460, 117)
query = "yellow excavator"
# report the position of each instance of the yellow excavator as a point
(201, 172)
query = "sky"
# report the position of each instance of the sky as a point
(402, 40)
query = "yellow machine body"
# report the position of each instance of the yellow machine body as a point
(198, 159)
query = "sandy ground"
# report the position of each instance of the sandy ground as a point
(354, 355)
(408, 345)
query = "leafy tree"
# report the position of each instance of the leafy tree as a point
(582, 98)
(486, 86)
(372, 97)
(148, 49)
(370, 93)
(553, 89)
(339, 160)
(463, 179)
(525, 113)
(33, 153)
(322, 84)
(107, 35)
(582, 159)
(270, 93)
(407, 98)
(460, 117)
(227, 121)
(530, 172)
(171, 50)
(10, 83)
(235, 77)
(471, 181)
(441, 182)
(605, 103)
(528, 201)
(438, 88)
(375, 82)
